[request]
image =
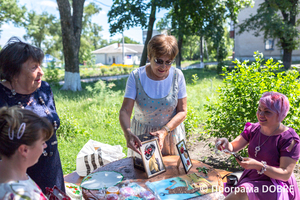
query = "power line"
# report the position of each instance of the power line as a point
(102, 3)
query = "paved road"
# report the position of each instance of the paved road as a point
(110, 78)
(199, 65)
(106, 78)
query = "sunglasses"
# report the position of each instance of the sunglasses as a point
(161, 62)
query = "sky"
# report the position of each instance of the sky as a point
(50, 6)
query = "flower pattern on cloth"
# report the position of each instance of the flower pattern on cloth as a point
(21, 190)
(152, 114)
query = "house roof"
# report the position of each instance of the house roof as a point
(117, 48)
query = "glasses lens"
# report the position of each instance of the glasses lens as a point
(169, 62)
(159, 61)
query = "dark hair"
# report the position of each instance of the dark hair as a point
(161, 45)
(11, 119)
(14, 54)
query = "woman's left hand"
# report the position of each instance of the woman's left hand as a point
(160, 134)
(250, 163)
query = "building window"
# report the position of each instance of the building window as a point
(269, 44)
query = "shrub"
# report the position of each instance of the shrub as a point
(243, 87)
(192, 121)
(69, 128)
(195, 78)
(51, 73)
(101, 90)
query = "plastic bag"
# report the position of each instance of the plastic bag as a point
(95, 154)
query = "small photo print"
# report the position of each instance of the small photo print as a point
(184, 156)
(152, 158)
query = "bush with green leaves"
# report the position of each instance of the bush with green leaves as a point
(51, 73)
(242, 89)
(69, 127)
(192, 121)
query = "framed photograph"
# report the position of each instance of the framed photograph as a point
(152, 158)
(138, 162)
(184, 156)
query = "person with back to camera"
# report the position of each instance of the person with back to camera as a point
(22, 85)
(22, 141)
(273, 152)
(157, 92)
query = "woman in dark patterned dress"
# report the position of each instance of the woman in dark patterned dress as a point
(21, 75)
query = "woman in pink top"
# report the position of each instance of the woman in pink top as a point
(22, 141)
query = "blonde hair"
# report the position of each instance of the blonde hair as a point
(11, 120)
(162, 45)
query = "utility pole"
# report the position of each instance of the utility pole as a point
(201, 52)
(123, 52)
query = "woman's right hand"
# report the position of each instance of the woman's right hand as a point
(222, 143)
(133, 142)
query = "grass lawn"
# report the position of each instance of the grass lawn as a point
(93, 113)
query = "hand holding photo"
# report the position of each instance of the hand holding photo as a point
(184, 156)
(152, 158)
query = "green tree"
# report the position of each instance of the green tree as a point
(191, 47)
(71, 27)
(39, 27)
(53, 45)
(10, 11)
(127, 40)
(125, 14)
(90, 34)
(204, 18)
(276, 19)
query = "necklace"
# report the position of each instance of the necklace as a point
(13, 91)
(31, 100)
(257, 148)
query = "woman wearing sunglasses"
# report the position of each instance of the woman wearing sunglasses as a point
(157, 92)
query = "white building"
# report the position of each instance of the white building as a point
(246, 43)
(113, 54)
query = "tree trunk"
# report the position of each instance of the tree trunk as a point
(71, 32)
(287, 58)
(149, 33)
(201, 49)
(178, 57)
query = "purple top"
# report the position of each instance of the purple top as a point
(271, 151)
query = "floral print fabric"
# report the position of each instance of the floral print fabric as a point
(21, 190)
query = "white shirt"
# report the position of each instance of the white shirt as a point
(155, 89)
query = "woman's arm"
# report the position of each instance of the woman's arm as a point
(133, 141)
(174, 122)
(236, 145)
(180, 115)
(283, 172)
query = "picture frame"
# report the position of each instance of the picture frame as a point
(152, 158)
(184, 156)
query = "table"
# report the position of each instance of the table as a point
(126, 168)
